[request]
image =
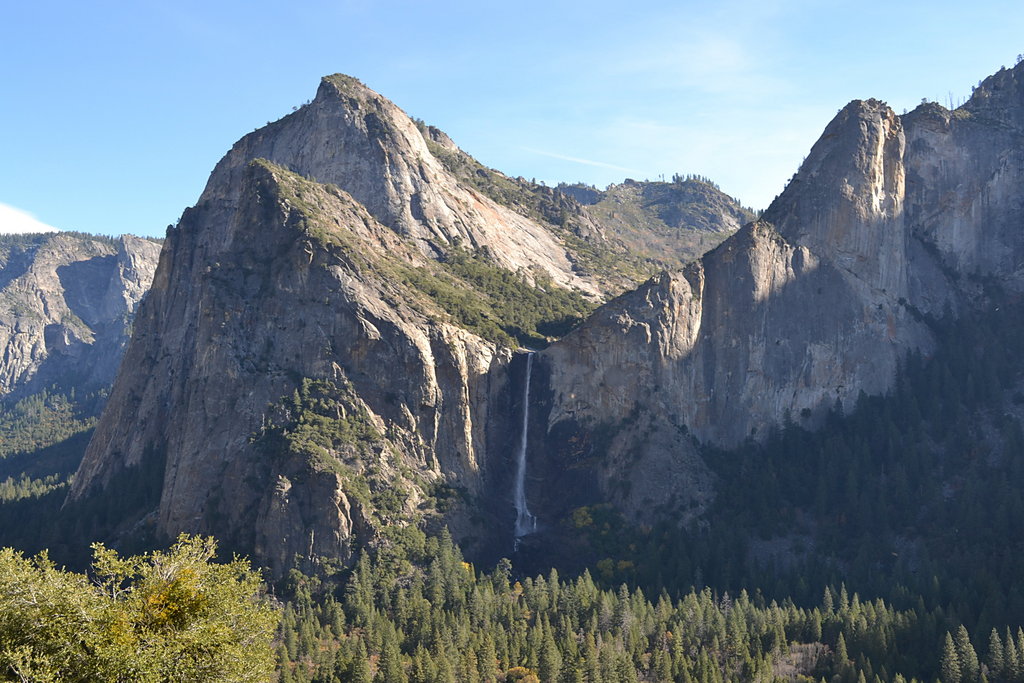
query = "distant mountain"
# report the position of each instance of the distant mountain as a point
(66, 305)
(670, 223)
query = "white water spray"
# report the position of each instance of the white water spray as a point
(525, 522)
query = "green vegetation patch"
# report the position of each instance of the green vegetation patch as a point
(498, 304)
(325, 425)
(326, 416)
(41, 420)
(164, 616)
(466, 287)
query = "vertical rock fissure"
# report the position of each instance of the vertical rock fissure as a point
(526, 523)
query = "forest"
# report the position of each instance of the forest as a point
(417, 612)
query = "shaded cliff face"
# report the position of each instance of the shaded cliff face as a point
(66, 305)
(887, 222)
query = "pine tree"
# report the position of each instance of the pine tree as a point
(970, 670)
(445, 670)
(1012, 657)
(842, 656)
(662, 664)
(996, 662)
(950, 664)
(423, 669)
(550, 658)
(487, 660)
(284, 665)
(390, 668)
(359, 668)
(815, 626)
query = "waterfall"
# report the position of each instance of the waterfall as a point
(525, 522)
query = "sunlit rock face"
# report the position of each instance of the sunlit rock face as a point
(286, 270)
(890, 220)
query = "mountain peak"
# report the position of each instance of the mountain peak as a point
(342, 82)
(844, 201)
(344, 86)
(360, 141)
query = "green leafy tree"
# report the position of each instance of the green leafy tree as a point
(164, 616)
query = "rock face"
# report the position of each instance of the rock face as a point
(254, 296)
(294, 276)
(352, 137)
(296, 384)
(964, 169)
(66, 306)
(890, 220)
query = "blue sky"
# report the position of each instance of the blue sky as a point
(114, 113)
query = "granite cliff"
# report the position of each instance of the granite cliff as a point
(890, 222)
(66, 305)
(327, 352)
(324, 354)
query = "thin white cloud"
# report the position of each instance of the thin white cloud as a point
(16, 221)
(577, 160)
(709, 64)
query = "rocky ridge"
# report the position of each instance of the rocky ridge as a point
(889, 222)
(66, 305)
(670, 223)
(351, 137)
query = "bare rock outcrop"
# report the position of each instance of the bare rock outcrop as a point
(352, 137)
(66, 306)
